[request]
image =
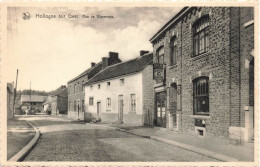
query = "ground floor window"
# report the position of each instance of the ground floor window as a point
(133, 103)
(108, 104)
(201, 96)
(83, 106)
(75, 106)
(91, 101)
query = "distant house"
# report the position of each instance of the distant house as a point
(47, 105)
(59, 101)
(122, 92)
(76, 94)
(35, 101)
(10, 100)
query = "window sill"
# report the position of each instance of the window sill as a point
(251, 22)
(172, 66)
(200, 116)
(200, 56)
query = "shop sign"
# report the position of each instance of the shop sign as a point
(158, 73)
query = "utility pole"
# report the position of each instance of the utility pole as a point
(30, 96)
(15, 92)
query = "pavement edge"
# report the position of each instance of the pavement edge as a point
(26, 149)
(204, 152)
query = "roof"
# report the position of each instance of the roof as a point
(87, 71)
(47, 100)
(169, 23)
(61, 93)
(124, 68)
(58, 90)
(33, 98)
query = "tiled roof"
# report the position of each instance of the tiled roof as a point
(98, 65)
(120, 69)
(33, 98)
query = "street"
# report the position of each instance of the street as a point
(65, 141)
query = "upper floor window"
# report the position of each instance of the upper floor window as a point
(201, 96)
(160, 55)
(108, 84)
(91, 87)
(173, 56)
(201, 36)
(74, 88)
(122, 81)
(82, 86)
(99, 86)
(78, 87)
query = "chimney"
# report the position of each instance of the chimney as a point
(143, 52)
(92, 64)
(113, 55)
(104, 62)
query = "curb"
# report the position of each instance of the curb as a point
(201, 151)
(26, 149)
(196, 150)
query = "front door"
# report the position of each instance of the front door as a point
(98, 108)
(160, 115)
(120, 108)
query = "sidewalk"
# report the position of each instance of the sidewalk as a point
(19, 134)
(215, 148)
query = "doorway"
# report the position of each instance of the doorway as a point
(120, 108)
(160, 112)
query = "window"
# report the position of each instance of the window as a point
(91, 87)
(78, 88)
(108, 104)
(69, 90)
(160, 55)
(75, 106)
(74, 89)
(91, 101)
(78, 106)
(122, 81)
(82, 87)
(69, 105)
(133, 103)
(201, 96)
(83, 106)
(99, 86)
(108, 84)
(173, 57)
(201, 36)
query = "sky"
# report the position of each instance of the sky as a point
(50, 52)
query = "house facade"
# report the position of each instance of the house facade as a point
(118, 93)
(47, 105)
(76, 93)
(59, 101)
(207, 58)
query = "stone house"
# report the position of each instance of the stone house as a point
(59, 101)
(76, 94)
(207, 58)
(120, 93)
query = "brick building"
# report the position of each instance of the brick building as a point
(76, 94)
(59, 101)
(207, 58)
(121, 92)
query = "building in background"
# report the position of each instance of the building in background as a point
(207, 57)
(47, 105)
(32, 102)
(76, 94)
(10, 100)
(59, 101)
(122, 92)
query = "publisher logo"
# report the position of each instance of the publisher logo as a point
(26, 16)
